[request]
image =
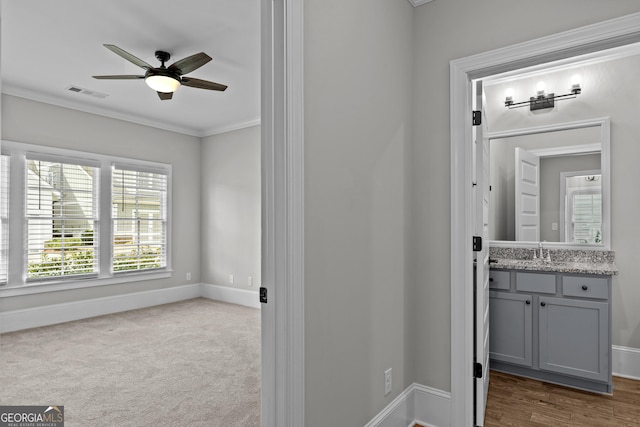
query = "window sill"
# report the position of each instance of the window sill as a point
(54, 286)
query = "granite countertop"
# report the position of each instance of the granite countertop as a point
(562, 261)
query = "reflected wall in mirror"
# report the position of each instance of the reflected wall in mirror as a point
(568, 167)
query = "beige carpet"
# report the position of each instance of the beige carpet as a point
(191, 363)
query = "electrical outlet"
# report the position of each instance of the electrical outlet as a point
(387, 381)
(554, 226)
(188, 276)
(231, 279)
(250, 281)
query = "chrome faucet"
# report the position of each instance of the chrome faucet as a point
(541, 248)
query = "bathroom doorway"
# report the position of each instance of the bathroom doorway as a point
(563, 47)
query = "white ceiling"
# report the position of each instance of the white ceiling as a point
(49, 45)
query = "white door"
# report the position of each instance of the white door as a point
(481, 228)
(527, 196)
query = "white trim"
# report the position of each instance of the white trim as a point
(432, 406)
(566, 64)
(416, 403)
(53, 286)
(231, 295)
(231, 128)
(127, 117)
(578, 124)
(52, 314)
(99, 159)
(625, 362)
(416, 3)
(589, 39)
(398, 413)
(92, 109)
(16, 320)
(569, 149)
(282, 160)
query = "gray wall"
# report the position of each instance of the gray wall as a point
(377, 186)
(450, 29)
(230, 164)
(357, 130)
(45, 124)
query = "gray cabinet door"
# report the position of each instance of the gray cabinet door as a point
(510, 323)
(574, 337)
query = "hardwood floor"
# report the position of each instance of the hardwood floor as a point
(517, 401)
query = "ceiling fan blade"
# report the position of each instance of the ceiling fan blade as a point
(119, 77)
(164, 96)
(202, 84)
(129, 57)
(190, 63)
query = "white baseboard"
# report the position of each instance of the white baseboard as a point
(432, 406)
(231, 295)
(425, 405)
(16, 320)
(52, 314)
(398, 413)
(625, 362)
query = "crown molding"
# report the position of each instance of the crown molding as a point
(105, 112)
(416, 3)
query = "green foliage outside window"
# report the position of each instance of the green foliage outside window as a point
(74, 262)
(78, 258)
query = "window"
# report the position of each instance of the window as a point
(79, 219)
(4, 217)
(139, 219)
(581, 206)
(61, 216)
(586, 222)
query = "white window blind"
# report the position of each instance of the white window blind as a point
(139, 213)
(587, 217)
(4, 218)
(62, 219)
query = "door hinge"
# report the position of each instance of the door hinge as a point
(263, 295)
(477, 370)
(477, 118)
(477, 243)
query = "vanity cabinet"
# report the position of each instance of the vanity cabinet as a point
(552, 326)
(511, 328)
(574, 337)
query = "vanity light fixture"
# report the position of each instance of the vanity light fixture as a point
(542, 100)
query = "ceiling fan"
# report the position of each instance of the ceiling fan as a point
(166, 80)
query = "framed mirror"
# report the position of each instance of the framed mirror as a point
(551, 184)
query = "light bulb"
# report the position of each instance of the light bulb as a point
(540, 87)
(576, 80)
(508, 96)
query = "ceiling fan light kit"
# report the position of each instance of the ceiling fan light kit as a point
(160, 83)
(166, 80)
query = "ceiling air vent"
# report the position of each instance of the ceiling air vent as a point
(87, 92)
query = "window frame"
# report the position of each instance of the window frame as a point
(17, 283)
(571, 209)
(566, 226)
(163, 221)
(4, 219)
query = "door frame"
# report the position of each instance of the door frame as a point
(563, 46)
(282, 171)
